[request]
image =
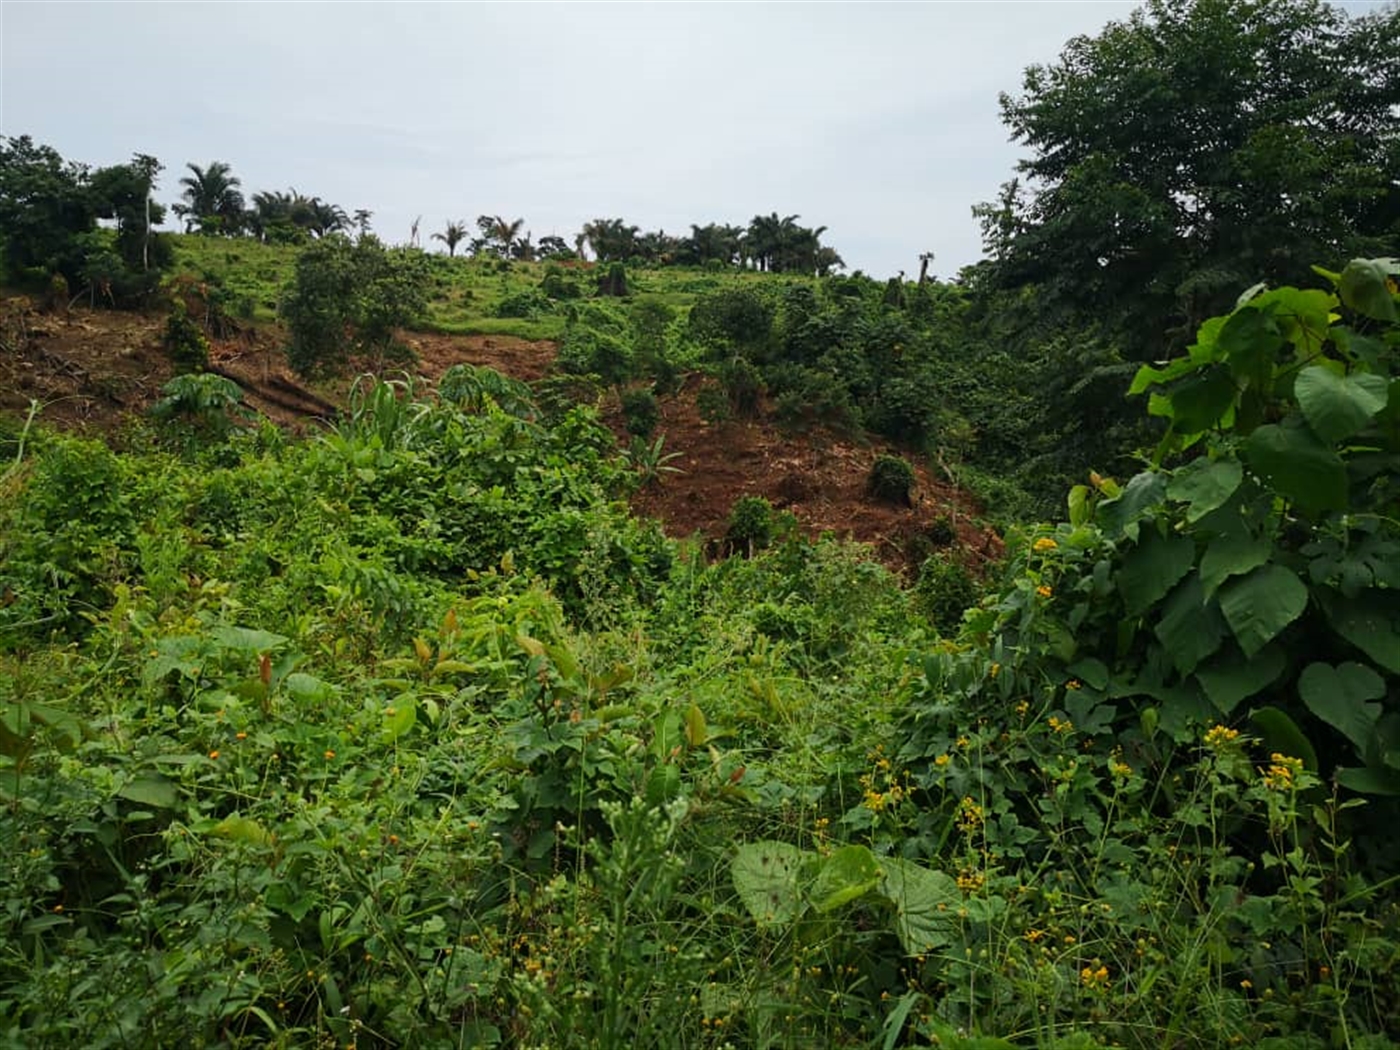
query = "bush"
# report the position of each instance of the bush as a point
(750, 525)
(184, 340)
(614, 281)
(351, 297)
(944, 591)
(892, 481)
(556, 285)
(743, 383)
(528, 304)
(712, 403)
(640, 412)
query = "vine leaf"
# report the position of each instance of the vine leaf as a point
(1338, 406)
(1341, 696)
(1260, 605)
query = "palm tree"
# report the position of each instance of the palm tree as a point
(212, 201)
(612, 239)
(452, 235)
(361, 219)
(504, 234)
(924, 259)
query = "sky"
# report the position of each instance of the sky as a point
(879, 121)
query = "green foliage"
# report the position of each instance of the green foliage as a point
(184, 340)
(743, 386)
(944, 591)
(891, 480)
(350, 298)
(640, 412)
(751, 524)
(205, 403)
(1152, 241)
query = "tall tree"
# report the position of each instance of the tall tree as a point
(1181, 154)
(452, 235)
(211, 202)
(45, 207)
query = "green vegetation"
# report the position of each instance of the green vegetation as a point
(410, 734)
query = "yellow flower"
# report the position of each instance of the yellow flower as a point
(1282, 772)
(1061, 725)
(1218, 736)
(1044, 591)
(1073, 684)
(1022, 708)
(970, 881)
(1092, 978)
(1045, 543)
(970, 815)
(942, 760)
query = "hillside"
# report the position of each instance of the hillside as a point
(95, 369)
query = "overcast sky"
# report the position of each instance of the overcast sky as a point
(877, 120)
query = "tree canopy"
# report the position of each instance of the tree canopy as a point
(1186, 152)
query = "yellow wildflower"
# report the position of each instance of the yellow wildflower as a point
(1282, 773)
(1058, 725)
(1092, 978)
(970, 815)
(942, 760)
(1073, 684)
(1219, 736)
(1045, 543)
(970, 881)
(1044, 591)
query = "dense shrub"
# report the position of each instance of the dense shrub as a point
(891, 480)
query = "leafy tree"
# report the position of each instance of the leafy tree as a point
(351, 298)
(211, 202)
(1193, 148)
(612, 240)
(554, 247)
(452, 235)
(44, 208)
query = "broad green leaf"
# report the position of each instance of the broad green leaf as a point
(182, 653)
(150, 789)
(307, 688)
(1249, 336)
(850, 872)
(1152, 568)
(246, 639)
(1281, 734)
(1338, 406)
(1365, 287)
(1260, 605)
(1340, 697)
(1190, 629)
(1298, 466)
(240, 829)
(1370, 780)
(696, 731)
(1233, 555)
(1203, 402)
(1205, 484)
(925, 905)
(1147, 376)
(1233, 677)
(767, 876)
(400, 716)
(1092, 672)
(1371, 622)
(1143, 493)
(1303, 315)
